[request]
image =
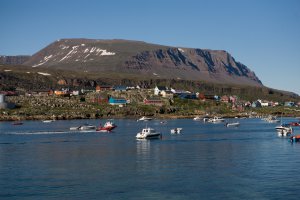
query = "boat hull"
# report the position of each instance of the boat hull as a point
(151, 136)
(105, 129)
(233, 124)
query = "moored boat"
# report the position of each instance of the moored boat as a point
(47, 121)
(85, 127)
(233, 124)
(295, 138)
(144, 118)
(17, 123)
(176, 130)
(284, 130)
(197, 118)
(216, 120)
(295, 124)
(148, 133)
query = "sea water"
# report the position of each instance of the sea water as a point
(206, 161)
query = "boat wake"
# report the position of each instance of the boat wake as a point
(37, 133)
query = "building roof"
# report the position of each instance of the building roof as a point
(161, 87)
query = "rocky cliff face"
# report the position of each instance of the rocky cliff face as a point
(13, 60)
(192, 64)
(139, 59)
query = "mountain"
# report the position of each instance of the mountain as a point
(13, 60)
(115, 58)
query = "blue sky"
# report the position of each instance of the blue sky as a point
(262, 34)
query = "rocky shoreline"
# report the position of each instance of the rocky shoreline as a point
(83, 107)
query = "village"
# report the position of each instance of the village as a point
(120, 101)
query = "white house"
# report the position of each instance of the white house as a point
(167, 94)
(159, 89)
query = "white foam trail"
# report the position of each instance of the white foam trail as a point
(37, 133)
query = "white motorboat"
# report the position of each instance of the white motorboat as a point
(144, 118)
(233, 124)
(85, 127)
(148, 133)
(284, 130)
(176, 130)
(206, 119)
(272, 119)
(197, 118)
(48, 121)
(216, 120)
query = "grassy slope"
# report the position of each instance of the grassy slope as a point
(19, 77)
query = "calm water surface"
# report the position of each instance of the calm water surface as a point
(207, 161)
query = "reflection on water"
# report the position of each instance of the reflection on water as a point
(143, 147)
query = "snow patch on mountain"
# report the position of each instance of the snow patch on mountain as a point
(181, 50)
(44, 74)
(46, 59)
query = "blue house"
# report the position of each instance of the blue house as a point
(120, 88)
(256, 104)
(117, 101)
(289, 104)
(187, 96)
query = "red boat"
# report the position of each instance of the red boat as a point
(295, 124)
(295, 138)
(108, 127)
(17, 123)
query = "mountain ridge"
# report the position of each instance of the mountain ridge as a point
(13, 60)
(138, 58)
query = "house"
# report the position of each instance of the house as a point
(120, 88)
(103, 88)
(61, 93)
(225, 99)
(117, 101)
(178, 92)
(247, 104)
(9, 93)
(201, 96)
(153, 101)
(167, 94)
(264, 104)
(100, 99)
(188, 96)
(208, 97)
(289, 104)
(256, 104)
(75, 92)
(159, 89)
(4, 104)
(233, 99)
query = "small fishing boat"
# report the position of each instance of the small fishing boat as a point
(176, 130)
(197, 118)
(295, 124)
(206, 119)
(272, 119)
(233, 124)
(295, 138)
(216, 120)
(108, 127)
(144, 118)
(47, 121)
(84, 127)
(148, 133)
(17, 123)
(284, 130)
